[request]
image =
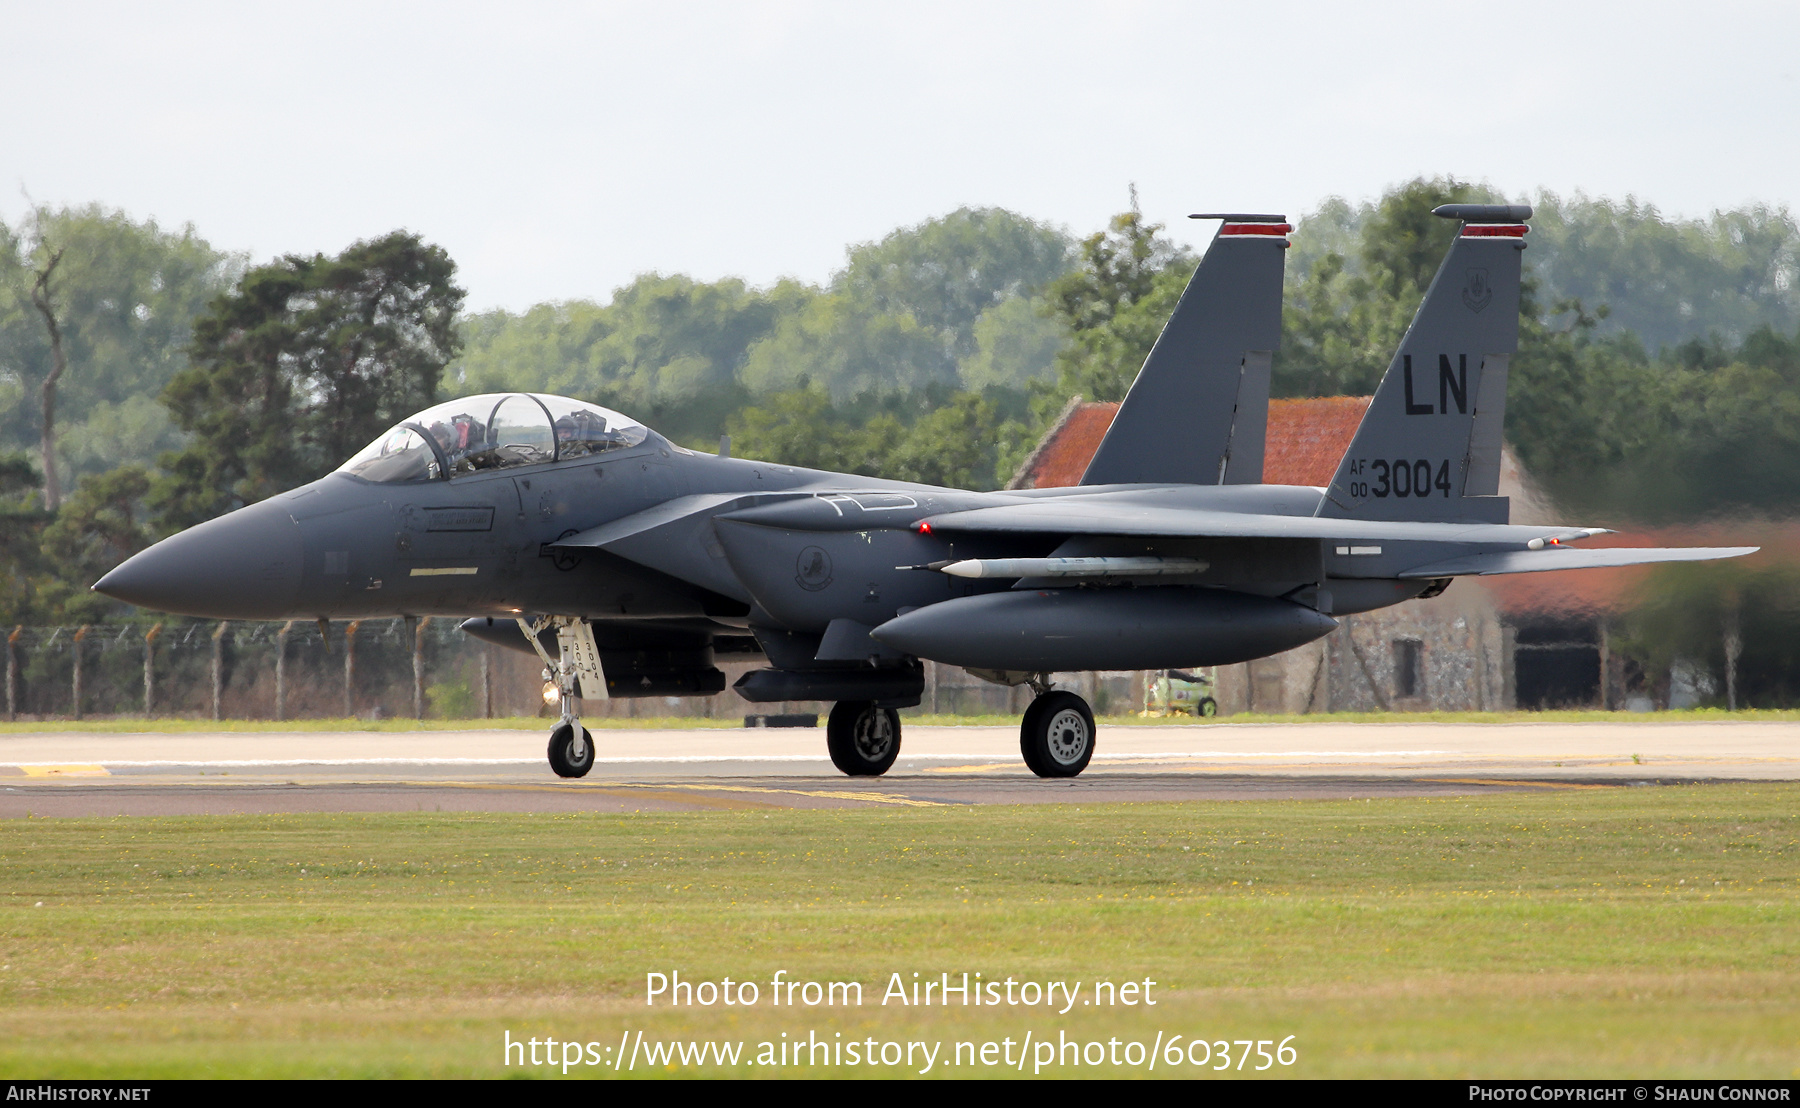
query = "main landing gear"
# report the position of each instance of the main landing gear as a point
(571, 745)
(863, 739)
(1056, 736)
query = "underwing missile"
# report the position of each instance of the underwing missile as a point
(1073, 567)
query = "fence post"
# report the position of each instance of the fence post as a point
(350, 668)
(75, 652)
(218, 667)
(418, 635)
(487, 682)
(281, 638)
(12, 672)
(1734, 648)
(150, 670)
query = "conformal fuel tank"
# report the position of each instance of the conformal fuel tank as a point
(1114, 628)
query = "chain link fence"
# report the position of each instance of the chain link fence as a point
(224, 670)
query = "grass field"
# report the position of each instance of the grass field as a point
(1576, 932)
(534, 723)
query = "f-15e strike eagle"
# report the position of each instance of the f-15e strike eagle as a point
(631, 564)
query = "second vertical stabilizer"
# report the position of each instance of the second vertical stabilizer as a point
(1428, 448)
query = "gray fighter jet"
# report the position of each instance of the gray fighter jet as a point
(631, 565)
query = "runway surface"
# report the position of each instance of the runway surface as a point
(95, 773)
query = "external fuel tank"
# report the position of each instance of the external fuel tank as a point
(1104, 628)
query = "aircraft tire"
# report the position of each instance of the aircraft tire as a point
(1206, 706)
(1028, 749)
(864, 740)
(1057, 735)
(562, 759)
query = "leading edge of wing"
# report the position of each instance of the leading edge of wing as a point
(1563, 557)
(1060, 517)
(669, 511)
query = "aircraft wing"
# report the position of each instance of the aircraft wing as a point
(1565, 557)
(676, 537)
(1101, 517)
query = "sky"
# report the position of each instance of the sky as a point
(557, 150)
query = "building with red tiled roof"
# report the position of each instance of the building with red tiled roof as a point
(1064, 452)
(1305, 440)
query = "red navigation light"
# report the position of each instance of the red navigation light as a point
(924, 527)
(1495, 230)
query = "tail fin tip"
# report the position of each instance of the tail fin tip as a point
(1484, 213)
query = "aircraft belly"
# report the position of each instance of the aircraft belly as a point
(1113, 628)
(806, 579)
(1352, 595)
(602, 586)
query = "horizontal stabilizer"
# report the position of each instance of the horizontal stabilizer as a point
(1563, 557)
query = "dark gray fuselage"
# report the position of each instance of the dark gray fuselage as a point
(770, 549)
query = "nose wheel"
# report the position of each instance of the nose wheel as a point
(571, 749)
(1057, 735)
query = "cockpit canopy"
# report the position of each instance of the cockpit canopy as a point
(492, 431)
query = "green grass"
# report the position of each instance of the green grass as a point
(923, 719)
(1578, 932)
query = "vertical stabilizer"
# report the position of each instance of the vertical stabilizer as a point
(1198, 411)
(1428, 447)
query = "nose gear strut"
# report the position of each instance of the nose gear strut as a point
(576, 671)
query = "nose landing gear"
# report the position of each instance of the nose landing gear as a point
(576, 669)
(571, 748)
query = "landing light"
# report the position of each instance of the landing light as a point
(552, 694)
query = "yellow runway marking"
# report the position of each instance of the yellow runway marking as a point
(689, 795)
(621, 789)
(1511, 783)
(625, 792)
(822, 794)
(685, 796)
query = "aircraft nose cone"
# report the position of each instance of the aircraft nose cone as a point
(245, 565)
